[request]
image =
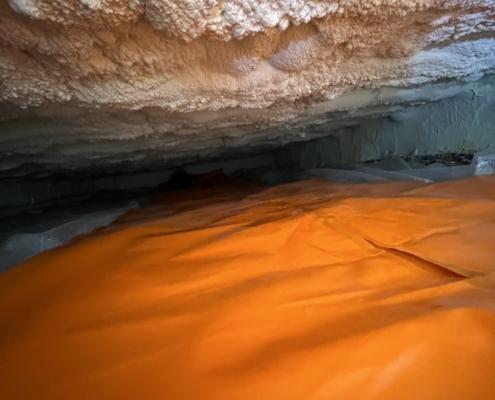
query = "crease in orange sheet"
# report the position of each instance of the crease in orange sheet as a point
(310, 290)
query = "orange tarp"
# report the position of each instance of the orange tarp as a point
(309, 290)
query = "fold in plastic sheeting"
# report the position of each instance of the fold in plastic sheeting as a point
(310, 290)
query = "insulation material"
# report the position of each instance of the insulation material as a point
(310, 290)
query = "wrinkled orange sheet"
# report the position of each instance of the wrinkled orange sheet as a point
(310, 290)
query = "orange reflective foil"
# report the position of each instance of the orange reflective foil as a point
(311, 290)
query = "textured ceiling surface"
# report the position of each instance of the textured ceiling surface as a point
(238, 67)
